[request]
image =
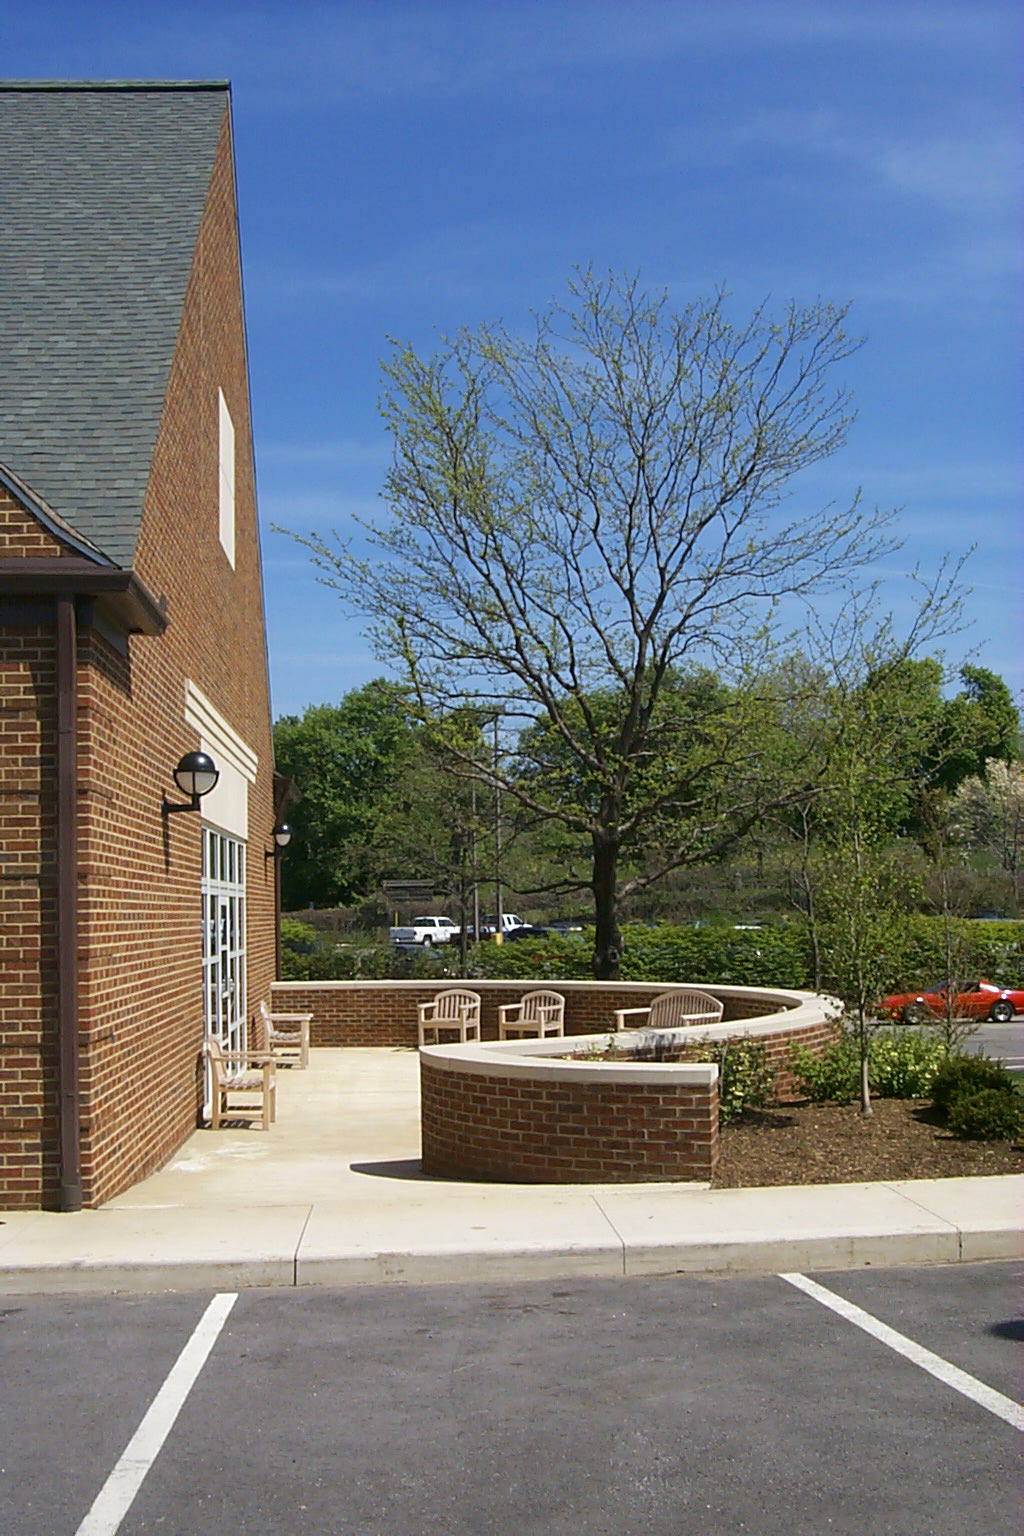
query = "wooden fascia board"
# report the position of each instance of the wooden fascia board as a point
(119, 593)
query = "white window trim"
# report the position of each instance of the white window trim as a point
(227, 805)
(224, 741)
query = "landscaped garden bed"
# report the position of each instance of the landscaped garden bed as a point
(807, 1143)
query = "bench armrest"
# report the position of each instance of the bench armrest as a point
(622, 1014)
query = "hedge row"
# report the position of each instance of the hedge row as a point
(780, 955)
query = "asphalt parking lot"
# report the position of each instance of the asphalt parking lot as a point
(672, 1405)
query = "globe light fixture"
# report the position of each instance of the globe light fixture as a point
(282, 836)
(195, 776)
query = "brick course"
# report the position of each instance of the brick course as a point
(385, 1013)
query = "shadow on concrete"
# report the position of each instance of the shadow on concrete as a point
(401, 1168)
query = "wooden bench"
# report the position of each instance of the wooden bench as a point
(673, 1010)
(243, 1085)
(286, 1035)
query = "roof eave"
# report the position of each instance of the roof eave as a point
(120, 593)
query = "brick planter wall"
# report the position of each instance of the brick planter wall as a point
(519, 1113)
(527, 1131)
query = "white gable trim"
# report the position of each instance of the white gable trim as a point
(227, 804)
(225, 744)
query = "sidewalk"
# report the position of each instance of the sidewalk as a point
(333, 1195)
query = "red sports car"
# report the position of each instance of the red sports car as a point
(971, 1000)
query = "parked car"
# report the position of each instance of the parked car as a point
(970, 1000)
(510, 923)
(529, 931)
(424, 930)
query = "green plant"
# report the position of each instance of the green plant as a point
(745, 1079)
(306, 955)
(969, 1074)
(903, 1064)
(986, 1114)
(544, 959)
(831, 1076)
(608, 1050)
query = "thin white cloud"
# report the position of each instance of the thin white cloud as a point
(452, 261)
(452, 49)
(342, 453)
(316, 509)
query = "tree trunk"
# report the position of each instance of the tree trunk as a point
(607, 958)
(865, 1063)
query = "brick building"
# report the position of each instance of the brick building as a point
(131, 632)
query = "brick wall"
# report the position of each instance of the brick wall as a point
(141, 1001)
(385, 1013)
(28, 1063)
(536, 1132)
(140, 941)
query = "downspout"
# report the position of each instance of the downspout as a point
(277, 919)
(68, 1089)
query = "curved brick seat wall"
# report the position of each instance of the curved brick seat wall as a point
(517, 1110)
(384, 1012)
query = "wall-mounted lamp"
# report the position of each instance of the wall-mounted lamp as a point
(195, 776)
(282, 837)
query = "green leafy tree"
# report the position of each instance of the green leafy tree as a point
(861, 888)
(987, 817)
(352, 763)
(580, 515)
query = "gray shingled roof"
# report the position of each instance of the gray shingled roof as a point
(102, 187)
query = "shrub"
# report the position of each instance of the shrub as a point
(969, 1074)
(778, 955)
(543, 959)
(305, 955)
(745, 1080)
(904, 1064)
(985, 1114)
(834, 1075)
(775, 956)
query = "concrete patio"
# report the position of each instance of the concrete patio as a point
(333, 1195)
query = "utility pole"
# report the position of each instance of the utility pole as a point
(499, 935)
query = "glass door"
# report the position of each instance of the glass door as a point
(223, 902)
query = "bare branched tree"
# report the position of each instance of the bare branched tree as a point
(581, 517)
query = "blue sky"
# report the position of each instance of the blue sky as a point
(410, 168)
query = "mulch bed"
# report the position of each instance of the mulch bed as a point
(804, 1143)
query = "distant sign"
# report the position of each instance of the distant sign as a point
(409, 890)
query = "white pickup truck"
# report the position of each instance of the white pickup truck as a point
(489, 927)
(509, 920)
(424, 930)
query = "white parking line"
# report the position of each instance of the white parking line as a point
(952, 1375)
(114, 1499)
